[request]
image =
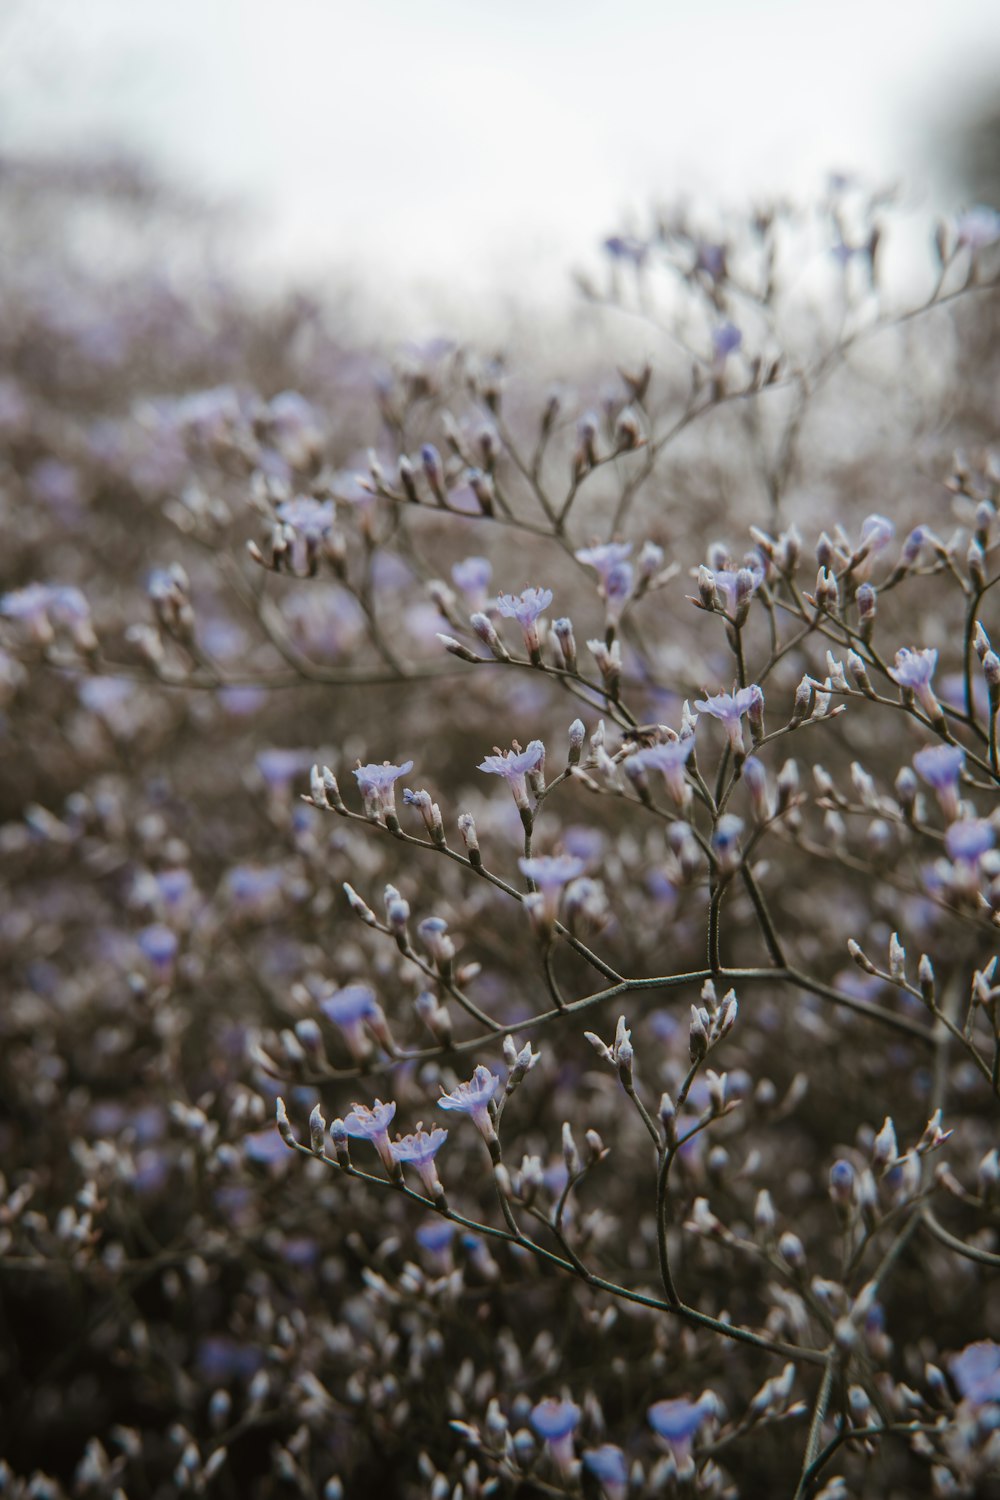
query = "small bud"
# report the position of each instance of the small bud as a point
(906, 787)
(484, 488)
(885, 1150)
(456, 648)
(341, 1142)
(571, 1155)
(487, 633)
(430, 462)
(562, 629)
(628, 434)
(860, 958)
(725, 1019)
(925, 974)
(988, 1177)
(755, 779)
(803, 701)
(897, 958)
(434, 1017)
(716, 1090)
(317, 1131)
(842, 1181)
(859, 672)
(698, 1035)
(407, 481)
(792, 1251)
(577, 731)
(827, 592)
(787, 785)
(585, 456)
(360, 908)
(317, 788)
(596, 1149)
(467, 828)
(764, 1217)
(284, 1124)
(991, 672)
(981, 641)
(668, 1118)
(520, 1063)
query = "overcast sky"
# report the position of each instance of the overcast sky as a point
(476, 145)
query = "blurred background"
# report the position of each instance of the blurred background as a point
(428, 156)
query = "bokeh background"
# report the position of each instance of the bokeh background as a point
(450, 160)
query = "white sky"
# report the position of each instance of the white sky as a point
(478, 146)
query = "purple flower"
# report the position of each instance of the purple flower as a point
(295, 428)
(677, 1422)
(617, 591)
(609, 1467)
(711, 259)
(726, 837)
(420, 1149)
(435, 1236)
(730, 708)
(586, 843)
(255, 892)
(39, 606)
(616, 574)
(670, 759)
(266, 1147)
(876, 532)
(306, 523)
(842, 1177)
(978, 227)
(514, 765)
(725, 341)
(626, 247)
(473, 1098)
(222, 1360)
(556, 1421)
(377, 784)
(308, 518)
(159, 945)
(604, 557)
(280, 767)
(176, 890)
(550, 873)
(940, 766)
(373, 1125)
(734, 586)
(472, 575)
(969, 840)
(349, 1008)
(976, 1372)
(324, 621)
(913, 671)
(525, 608)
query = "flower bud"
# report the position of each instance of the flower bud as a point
(317, 1131)
(792, 1251)
(698, 1035)
(283, 1123)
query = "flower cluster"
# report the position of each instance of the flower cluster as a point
(630, 1134)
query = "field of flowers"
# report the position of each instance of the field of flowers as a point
(500, 872)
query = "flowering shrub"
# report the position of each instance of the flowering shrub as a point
(636, 1121)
